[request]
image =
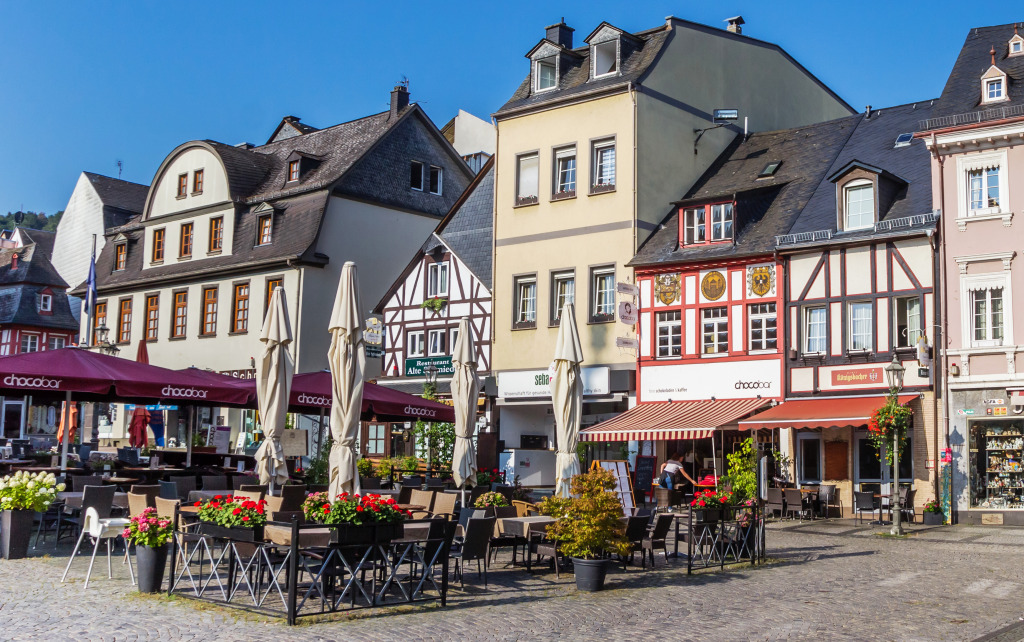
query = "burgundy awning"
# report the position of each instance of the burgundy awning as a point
(311, 392)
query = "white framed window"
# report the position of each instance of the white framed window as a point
(46, 303)
(861, 326)
(670, 334)
(693, 226)
(56, 343)
(437, 343)
(715, 330)
(563, 290)
(454, 338)
(565, 172)
(987, 316)
(525, 302)
(437, 279)
(527, 178)
(721, 222)
(908, 321)
(810, 458)
(858, 205)
(1016, 47)
(602, 287)
(983, 189)
(815, 330)
(605, 56)
(436, 180)
(376, 435)
(994, 90)
(416, 175)
(986, 310)
(603, 164)
(414, 344)
(763, 326)
(546, 74)
(30, 343)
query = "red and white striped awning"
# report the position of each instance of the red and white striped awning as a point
(672, 420)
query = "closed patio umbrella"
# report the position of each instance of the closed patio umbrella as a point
(465, 390)
(347, 360)
(567, 399)
(274, 372)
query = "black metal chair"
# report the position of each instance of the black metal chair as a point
(827, 498)
(184, 484)
(215, 482)
(776, 501)
(864, 501)
(99, 497)
(475, 546)
(243, 480)
(657, 538)
(539, 544)
(794, 503)
(635, 531)
(168, 490)
(79, 482)
(907, 503)
(502, 540)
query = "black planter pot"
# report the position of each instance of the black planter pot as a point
(707, 515)
(368, 533)
(932, 519)
(150, 563)
(15, 533)
(590, 574)
(236, 533)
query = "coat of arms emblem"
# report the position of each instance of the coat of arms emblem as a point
(713, 286)
(666, 288)
(761, 280)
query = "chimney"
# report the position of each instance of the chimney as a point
(560, 34)
(867, 112)
(399, 99)
(14, 261)
(735, 24)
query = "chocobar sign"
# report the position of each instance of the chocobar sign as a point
(723, 380)
(32, 382)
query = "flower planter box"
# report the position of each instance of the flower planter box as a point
(367, 533)
(236, 533)
(15, 533)
(707, 516)
(932, 519)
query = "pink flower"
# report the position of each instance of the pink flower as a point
(143, 527)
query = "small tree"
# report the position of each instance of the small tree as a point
(589, 523)
(742, 475)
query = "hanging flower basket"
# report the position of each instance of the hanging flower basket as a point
(892, 418)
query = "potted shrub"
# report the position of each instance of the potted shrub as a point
(933, 513)
(359, 519)
(365, 467)
(21, 496)
(229, 517)
(589, 526)
(150, 533)
(490, 500)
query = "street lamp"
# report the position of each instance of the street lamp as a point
(431, 374)
(430, 392)
(894, 375)
(105, 346)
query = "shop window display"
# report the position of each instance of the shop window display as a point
(997, 464)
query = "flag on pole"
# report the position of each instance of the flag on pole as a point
(90, 286)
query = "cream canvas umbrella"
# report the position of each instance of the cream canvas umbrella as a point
(274, 372)
(465, 390)
(347, 359)
(567, 399)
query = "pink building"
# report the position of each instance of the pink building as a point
(975, 134)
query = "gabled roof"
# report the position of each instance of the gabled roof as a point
(123, 195)
(19, 304)
(962, 93)
(289, 127)
(41, 239)
(856, 164)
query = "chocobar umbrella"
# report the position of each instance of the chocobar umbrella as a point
(274, 372)
(347, 360)
(567, 399)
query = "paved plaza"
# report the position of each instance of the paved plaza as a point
(827, 581)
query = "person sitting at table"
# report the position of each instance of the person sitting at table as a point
(670, 471)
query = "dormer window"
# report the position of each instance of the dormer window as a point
(859, 205)
(46, 303)
(120, 256)
(264, 230)
(708, 224)
(994, 89)
(546, 75)
(605, 57)
(1016, 47)
(293, 171)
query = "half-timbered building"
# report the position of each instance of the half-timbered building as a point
(448, 278)
(858, 290)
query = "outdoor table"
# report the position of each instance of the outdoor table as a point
(880, 521)
(206, 495)
(677, 517)
(42, 469)
(74, 500)
(310, 537)
(520, 526)
(411, 506)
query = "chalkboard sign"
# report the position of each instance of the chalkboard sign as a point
(644, 474)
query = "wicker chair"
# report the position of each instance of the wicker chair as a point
(137, 503)
(475, 546)
(215, 482)
(444, 505)
(657, 538)
(243, 480)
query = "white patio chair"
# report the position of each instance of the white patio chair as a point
(100, 529)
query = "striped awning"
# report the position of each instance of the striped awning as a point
(672, 420)
(834, 412)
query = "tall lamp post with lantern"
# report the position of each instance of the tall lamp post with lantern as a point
(894, 375)
(430, 392)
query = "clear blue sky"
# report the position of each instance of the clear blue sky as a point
(84, 84)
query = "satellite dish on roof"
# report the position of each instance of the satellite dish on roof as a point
(19, 216)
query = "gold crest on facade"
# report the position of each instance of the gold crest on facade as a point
(666, 288)
(712, 286)
(761, 280)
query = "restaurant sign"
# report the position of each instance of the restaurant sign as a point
(416, 366)
(858, 377)
(537, 383)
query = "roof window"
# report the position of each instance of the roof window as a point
(769, 169)
(605, 58)
(903, 140)
(545, 74)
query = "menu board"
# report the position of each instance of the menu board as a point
(295, 443)
(624, 481)
(643, 476)
(222, 439)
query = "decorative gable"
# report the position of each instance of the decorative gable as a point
(1015, 47)
(993, 83)
(864, 193)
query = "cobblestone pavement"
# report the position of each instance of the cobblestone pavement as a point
(828, 581)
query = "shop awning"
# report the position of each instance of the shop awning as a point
(671, 420)
(837, 412)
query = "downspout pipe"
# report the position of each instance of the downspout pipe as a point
(943, 277)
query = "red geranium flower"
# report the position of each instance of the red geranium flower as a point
(245, 518)
(236, 511)
(198, 504)
(359, 508)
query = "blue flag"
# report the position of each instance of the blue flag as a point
(90, 287)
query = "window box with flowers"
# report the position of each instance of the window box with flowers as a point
(358, 519)
(563, 195)
(436, 304)
(932, 514)
(235, 518)
(526, 200)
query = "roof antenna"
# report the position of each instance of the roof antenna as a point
(120, 166)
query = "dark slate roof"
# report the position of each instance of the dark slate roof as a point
(872, 144)
(41, 239)
(470, 232)
(33, 267)
(962, 93)
(19, 304)
(575, 71)
(296, 225)
(123, 195)
(805, 154)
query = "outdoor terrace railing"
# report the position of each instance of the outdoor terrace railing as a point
(725, 536)
(970, 118)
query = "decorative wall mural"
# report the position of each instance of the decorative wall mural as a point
(761, 280)
(712, 286)
(666, 288)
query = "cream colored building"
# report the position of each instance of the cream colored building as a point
(593, 147)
